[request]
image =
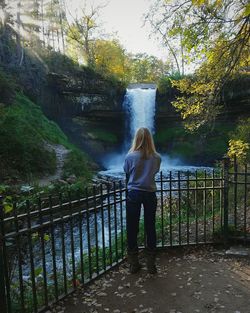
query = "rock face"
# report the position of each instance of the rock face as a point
(142, 86)
(89, 110)
(206, 145)
(80, 94)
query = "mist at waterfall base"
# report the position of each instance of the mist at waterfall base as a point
(139, 105)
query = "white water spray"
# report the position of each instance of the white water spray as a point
(139, 105)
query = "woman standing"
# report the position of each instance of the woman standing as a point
(141, 164)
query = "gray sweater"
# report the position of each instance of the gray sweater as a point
(141, 172)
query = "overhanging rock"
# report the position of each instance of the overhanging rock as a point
(142, 86)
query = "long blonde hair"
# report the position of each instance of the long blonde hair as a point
(143, 142)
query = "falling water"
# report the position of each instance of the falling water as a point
(139, 104)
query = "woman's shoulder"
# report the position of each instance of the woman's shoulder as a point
(133, 155)
(157, 156)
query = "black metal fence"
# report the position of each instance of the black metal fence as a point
(51, 246)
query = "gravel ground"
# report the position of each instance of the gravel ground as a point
(188, 281)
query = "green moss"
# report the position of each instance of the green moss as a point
(7, 88)
(169, 134)
(24, 134)
(104, 135)
(184, 149)
(206, 143)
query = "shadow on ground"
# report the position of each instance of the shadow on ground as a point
(188, 281)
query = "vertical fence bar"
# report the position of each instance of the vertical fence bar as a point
(205, 206)
(80, 220)
(96, 232)
(45, 287)
(121, 218)
(221, 198)
(72, 241)
(32, 265)
(188, 207)
(196, 208)
(245, 203)
(3, 303)
(103, 231)
(226, 163)
(19, 253)
(65, 284)
(179, 206)
(109, 225)
(162, 213)
(170, 208)
(88, 234)
(115, 222)
(235, 191)
(53, 250)
(213, 178)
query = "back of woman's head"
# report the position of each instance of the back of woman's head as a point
(143, 142)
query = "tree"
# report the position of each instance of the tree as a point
(147, 68)
(85, 30)
(215, 33)
(110, 59)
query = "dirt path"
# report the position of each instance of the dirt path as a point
(193, 282)
(61, 153)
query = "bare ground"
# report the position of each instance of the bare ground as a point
(189, 280)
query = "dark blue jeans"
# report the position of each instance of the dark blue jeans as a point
(135, 199)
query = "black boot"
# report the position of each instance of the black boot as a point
(151, 254)
(134, 265)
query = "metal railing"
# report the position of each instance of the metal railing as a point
(47, 252)
(51, 246)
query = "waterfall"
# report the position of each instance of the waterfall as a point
(139, 104)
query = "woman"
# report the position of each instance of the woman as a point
(141, 164)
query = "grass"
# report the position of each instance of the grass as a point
(24, 133)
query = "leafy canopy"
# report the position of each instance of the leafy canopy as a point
(215, 34)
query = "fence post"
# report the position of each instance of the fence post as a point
(226, 163)
(3, 304)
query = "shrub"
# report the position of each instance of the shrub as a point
(7, 88)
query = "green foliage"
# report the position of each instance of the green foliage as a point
(58, 63)
(169, 134)
(209, 144)
(164, 85)
(208, 33)
(184, 149)
(76, 163)
(8, 204)
(166, 88)
(23, 131)
(7, 88)
(24, 135)
(239, 143)
(104, 135)
(146, 68)
(110, 59)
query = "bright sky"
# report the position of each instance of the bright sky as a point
(126, 18)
